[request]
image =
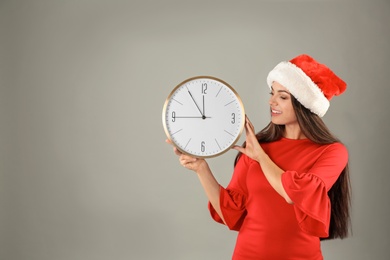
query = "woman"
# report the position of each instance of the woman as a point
(290, 186)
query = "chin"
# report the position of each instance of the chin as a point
(277, 122)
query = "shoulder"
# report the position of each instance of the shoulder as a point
(336, 148)
(336, 152)
(333, 148)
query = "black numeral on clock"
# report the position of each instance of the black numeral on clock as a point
(173, 116)
(203, 146)
(204, 88)
(233, 118)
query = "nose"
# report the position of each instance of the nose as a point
(272, 100)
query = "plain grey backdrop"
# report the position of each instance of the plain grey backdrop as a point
(85, 173)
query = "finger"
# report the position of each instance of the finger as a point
(248, 130)
(187, 158)
(168, 141)
(248, 121)
(187, 162)
(189, 166)
(177, 152)
(250, 126)
(238, 148)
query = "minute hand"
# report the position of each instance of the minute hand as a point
(195, 102)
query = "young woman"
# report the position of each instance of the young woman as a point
(290, 187)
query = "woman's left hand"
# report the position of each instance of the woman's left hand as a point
(252, 148)
(271, 171)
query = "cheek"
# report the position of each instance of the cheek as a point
(292, 116)
(290, 113)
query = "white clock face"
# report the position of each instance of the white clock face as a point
(203, 116)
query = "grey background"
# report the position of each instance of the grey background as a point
(85, 172)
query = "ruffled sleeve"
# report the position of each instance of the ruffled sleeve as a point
(233, 197)
(233, 208)
(309, 191)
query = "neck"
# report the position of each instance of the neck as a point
(293, 132)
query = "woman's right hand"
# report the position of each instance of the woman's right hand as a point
(189, 162)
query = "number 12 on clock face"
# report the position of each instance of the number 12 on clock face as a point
(203, 116)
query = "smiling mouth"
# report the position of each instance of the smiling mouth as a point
(275, 111)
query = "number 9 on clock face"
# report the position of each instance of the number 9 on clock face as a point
(203, 116)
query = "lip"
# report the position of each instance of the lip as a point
(275, 112)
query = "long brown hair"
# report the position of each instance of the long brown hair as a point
(314, 129)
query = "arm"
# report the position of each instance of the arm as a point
(272, 172)
(211, 187)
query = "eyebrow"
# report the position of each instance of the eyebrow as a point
(281, 90)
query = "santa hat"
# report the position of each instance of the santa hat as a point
(313, 84)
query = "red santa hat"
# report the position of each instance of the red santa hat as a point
(313, 84)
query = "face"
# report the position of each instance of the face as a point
(282, 111)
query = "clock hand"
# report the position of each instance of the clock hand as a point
(203, 117)
(204, 114)
(195, 102)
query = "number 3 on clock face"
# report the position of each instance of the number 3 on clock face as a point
(203, 116)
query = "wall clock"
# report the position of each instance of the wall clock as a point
(203, 116)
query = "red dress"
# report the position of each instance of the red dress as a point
(270, 228)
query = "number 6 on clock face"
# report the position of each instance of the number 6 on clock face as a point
(203, 116)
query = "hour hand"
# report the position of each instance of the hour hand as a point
(200, 117)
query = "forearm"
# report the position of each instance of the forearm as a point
(273, 174)
(211, 188)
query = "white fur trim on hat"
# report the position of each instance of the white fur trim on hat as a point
(300, 86)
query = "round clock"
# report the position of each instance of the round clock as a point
(203, 116)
